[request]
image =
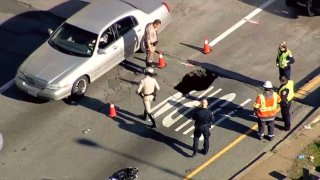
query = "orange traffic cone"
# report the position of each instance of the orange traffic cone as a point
(112, 110)
(161, 63)
(206, 47)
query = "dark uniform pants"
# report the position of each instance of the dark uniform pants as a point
(261, 127)
(285, 112)
(198, 131)
(285, 72)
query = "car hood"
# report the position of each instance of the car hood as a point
(49, 64)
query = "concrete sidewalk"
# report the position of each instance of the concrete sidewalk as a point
(275, 164)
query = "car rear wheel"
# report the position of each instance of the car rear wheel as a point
(143, 47)
(80, 86)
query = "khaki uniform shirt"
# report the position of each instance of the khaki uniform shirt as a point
(148, 85)
(151, 33)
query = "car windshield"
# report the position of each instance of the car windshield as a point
(74, 41)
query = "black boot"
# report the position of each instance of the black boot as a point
(154, 125)
(144, 116)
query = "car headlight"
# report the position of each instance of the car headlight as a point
(53, 86)
(21, 75)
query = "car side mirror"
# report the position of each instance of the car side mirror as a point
(50, 31)
(101, 51)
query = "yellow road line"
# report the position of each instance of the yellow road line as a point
(223, 151)
(304, 91)
(300, 93)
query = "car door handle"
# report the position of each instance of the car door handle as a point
(139, 30)
(115, 47)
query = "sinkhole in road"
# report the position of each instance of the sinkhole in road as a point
(199, 80)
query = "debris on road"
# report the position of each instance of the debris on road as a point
(86, 131)
(251, 21)
(301, 156)
(187, 64)
(307, 127)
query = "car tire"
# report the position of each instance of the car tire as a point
(143, 47)
(309, 8)
(80, 86)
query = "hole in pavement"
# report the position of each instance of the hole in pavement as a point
(198, 80)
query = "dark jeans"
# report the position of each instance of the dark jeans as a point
(261, 127)
(285, 72)
(198, 131)
(285, 113)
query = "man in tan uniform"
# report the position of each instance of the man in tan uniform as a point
(147, 89)
(151, 40)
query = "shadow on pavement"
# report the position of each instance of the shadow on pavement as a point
(123, 117)
(90, 143)
(277, 175)
(22, 34)
(227, 73)
(279, 8)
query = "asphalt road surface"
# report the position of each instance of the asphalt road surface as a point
(45, 140)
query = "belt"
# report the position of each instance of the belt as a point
(148, 94)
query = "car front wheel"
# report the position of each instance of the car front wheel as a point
(80, 86)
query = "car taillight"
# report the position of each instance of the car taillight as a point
(167, 6)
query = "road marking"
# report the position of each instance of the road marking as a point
(6, 86)
(190, 109)
(228, 98)
(168, 121)
(240, 23)
(220, 153)
(227, 116)
(304, 90)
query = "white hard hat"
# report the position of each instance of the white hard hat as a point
(149, 70)
(268, 85)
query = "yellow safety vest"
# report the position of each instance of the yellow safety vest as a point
(283, 59)
(290, 86)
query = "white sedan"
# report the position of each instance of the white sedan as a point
(87, 45)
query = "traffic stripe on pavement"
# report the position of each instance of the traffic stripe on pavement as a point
(220, 153)
(305, 90)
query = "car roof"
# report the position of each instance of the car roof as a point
(97, 14)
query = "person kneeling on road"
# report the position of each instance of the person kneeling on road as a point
(147, 90)
(203, 120)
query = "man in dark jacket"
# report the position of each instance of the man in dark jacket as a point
(203, 120)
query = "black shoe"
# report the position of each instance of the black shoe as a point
(204, 152)
(287, 129)
(270, 138)
(260, 137)
(194, 154)
(143, 117)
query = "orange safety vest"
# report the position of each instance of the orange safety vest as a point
(267, 108)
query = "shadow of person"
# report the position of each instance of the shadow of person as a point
(88, 102)
(123, 117)
(145, 131)
(93, 144)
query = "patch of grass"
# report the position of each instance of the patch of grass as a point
(312, 149)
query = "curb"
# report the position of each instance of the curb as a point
(312, 120)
